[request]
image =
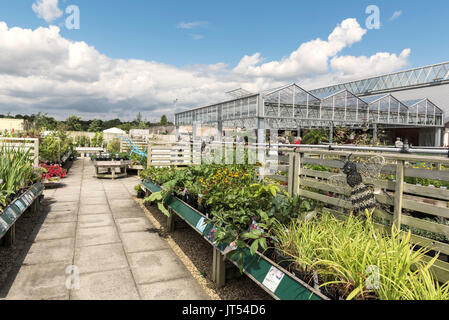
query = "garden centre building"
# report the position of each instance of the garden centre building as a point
(411, 104)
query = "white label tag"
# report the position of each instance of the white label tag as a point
(273, 279)
(201, 225)
(11, 212)
(3, 225)
(20, 205)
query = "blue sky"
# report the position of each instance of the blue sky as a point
(226, 31)
(148, 30)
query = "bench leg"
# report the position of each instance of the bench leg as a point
(10, 237)
(218, 268)
(171, 222)
(35, 207)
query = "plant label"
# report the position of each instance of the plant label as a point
(3, 225)
(201, 225)
(273, 279)
(10, 213)
(20, 205)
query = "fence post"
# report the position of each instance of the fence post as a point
(149, 155)
(296, 172)
(398, 194)
(36, 153)
(291, 172)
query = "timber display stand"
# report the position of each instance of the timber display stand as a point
(29, 200)
(108, 169)
(275, 280)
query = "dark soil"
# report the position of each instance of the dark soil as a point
(24, 229)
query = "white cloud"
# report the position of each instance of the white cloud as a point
(310, 57)
(396, 15)
(380, 63)
(42, 71)
(191, 25)
(47, 10)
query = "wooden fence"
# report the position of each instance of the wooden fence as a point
(170, 154)
(409, 197)
(138, 142)
(26, 143)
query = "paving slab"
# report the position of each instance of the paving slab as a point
(142, 241)
(51, 251)
(94, 209)
(133, 224)
(98, 227)
(179, 289)
(154, 266)
(96, 236)
(109, 285)
(95, 220)
(61, 216)
(100, 258)
(51, 231)
(40, 282)
(122, 213)
(93, 200)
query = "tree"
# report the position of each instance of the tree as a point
(95, 126)
(73, 123)
(164, 120)
(43, 121)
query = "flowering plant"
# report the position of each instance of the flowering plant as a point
(52, 171)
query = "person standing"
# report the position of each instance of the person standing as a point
(298, 142)
(399, 143)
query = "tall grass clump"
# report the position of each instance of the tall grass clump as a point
(359, 261)
(16, 172)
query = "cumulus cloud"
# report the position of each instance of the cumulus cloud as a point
(47, 10)
(40, 70)
(380, 63)
(310, 57)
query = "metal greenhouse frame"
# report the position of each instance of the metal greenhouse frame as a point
(293, 108)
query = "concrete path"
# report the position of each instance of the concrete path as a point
(94, 244)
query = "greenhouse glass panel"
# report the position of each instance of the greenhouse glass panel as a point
(252, 106)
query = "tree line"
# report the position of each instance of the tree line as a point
(74, 123)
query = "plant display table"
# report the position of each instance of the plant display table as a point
(275, 280)
(12, 213)
(85, 151)
(108, 169)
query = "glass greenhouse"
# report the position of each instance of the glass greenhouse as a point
(293, 108)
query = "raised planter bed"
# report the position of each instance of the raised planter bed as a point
(12, 213)
(271, 277)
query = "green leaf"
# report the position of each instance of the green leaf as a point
(162, 208)
(254, 247)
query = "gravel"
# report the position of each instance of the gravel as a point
(9, 256)
(196, 254)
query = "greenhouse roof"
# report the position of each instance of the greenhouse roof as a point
(419, 76)
(289, 107)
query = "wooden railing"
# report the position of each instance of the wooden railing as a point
(403, 205)
(27, 143)
(170, 154)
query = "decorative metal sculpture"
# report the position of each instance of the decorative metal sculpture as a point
(359, 177)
